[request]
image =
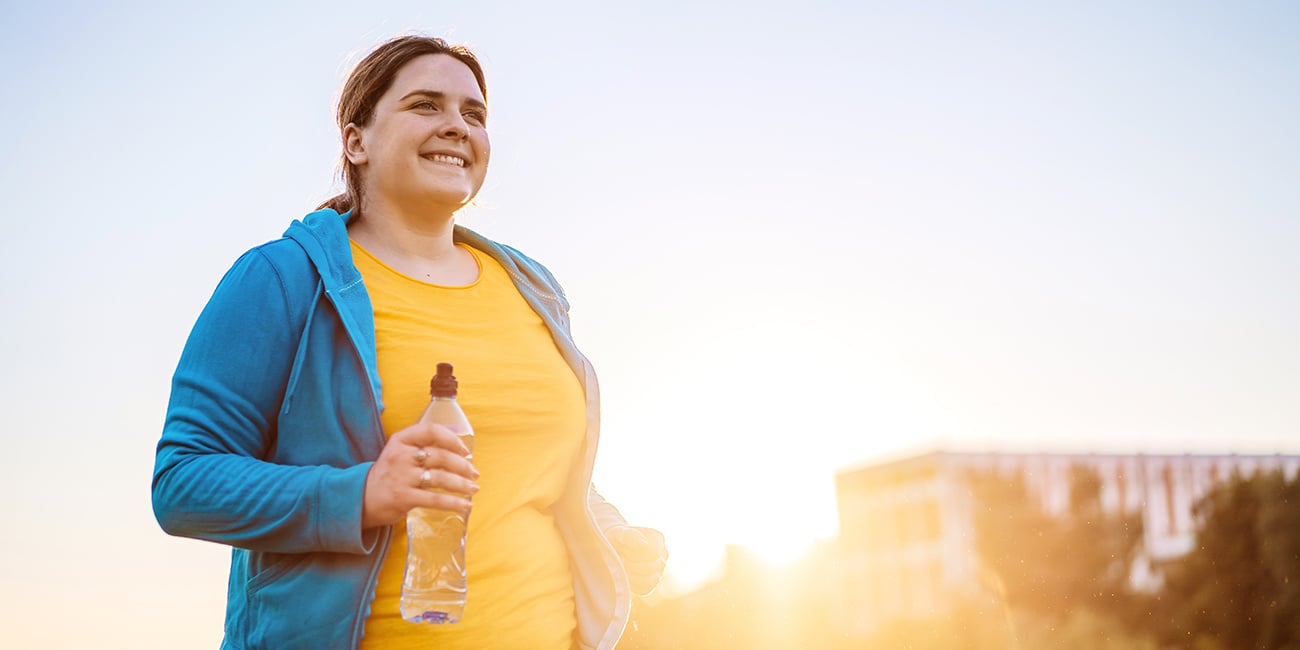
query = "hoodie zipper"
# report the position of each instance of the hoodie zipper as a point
(358, 629)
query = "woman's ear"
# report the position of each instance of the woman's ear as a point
(354, 146)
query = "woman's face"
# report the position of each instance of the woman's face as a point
(426, 147)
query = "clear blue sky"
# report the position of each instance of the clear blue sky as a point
(798, 237)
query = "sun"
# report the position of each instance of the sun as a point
(698, 547)
(781, 551)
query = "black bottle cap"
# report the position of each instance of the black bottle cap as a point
(443, 384)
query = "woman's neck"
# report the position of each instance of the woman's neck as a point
(420, 248)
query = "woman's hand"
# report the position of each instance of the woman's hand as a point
(416, 465)
(644, 555)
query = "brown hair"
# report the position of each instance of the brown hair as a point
(369, 81)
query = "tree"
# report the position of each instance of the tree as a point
(1053, 566)
(1240, 585)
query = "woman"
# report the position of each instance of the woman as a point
(290, 434)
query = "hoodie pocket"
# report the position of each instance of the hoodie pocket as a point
(300, 600)
(267, 592)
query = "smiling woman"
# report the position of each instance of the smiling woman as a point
(424, 147)
(292, 432)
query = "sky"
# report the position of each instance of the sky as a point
(797, 237)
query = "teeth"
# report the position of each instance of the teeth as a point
(451, 160)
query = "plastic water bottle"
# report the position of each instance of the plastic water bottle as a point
(434, 585)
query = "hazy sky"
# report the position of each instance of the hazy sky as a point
(798, 237)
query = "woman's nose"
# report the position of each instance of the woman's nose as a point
(454, 128)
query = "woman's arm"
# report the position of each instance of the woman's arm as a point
(643, 550)
(606, 515)
(210, 480)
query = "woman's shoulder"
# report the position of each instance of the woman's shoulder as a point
(277, 271)
(520, 266)
(305, 249)
(282, 257)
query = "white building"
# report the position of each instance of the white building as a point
(907, 539)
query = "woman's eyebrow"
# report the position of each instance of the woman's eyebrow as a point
(432, 94)
(439, 95)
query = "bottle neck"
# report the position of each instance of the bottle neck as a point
(444, 398)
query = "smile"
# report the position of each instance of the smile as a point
(445, 158)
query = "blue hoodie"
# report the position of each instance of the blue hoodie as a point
(274, 423)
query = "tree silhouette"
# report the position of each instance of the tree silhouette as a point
(1240, 585)
(1053, 565)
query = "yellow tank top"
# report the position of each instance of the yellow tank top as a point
(527, 409)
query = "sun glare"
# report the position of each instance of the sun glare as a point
(781, 551)
(696, 560)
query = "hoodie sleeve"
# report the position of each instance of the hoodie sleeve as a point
(209, 479)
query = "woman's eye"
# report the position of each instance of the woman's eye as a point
(476, 117)
(424, 106)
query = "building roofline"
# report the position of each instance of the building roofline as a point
(935, 455)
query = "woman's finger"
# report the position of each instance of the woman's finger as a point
(434, 479)
(441, 459)
(439, 501)
(431, 435)
(406, 450)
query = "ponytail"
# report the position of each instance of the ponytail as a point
(340, 204)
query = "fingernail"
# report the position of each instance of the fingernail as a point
(473, 488)
(476, 474)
